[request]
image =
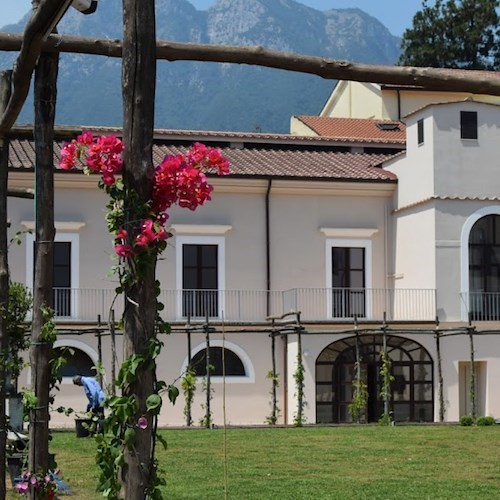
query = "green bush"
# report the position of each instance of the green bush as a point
(466, 420)
(485, 421)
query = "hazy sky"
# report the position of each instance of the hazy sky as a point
(397, 15)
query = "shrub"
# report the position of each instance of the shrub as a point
(485, 421)
(466, 420)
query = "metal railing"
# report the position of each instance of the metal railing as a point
(246, 306)
(482, 306)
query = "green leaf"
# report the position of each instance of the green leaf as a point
(173, 392)
(161, 440)
(129, 438)
(153, 403)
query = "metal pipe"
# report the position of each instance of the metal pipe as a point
(268, 250)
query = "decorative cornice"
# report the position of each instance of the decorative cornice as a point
(63, 226)
(203, 229)
(348, 232)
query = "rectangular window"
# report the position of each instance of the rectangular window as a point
(61, 277)
(420, 131)
(65, 271)
(468, 124)
(348, 282)
(200, 280)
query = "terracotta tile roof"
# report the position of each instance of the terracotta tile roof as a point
(293, 163)
(366, 130)
(161, 134)
(270, 160)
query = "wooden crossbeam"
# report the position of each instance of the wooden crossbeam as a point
(485, 82)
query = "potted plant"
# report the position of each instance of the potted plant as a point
(87, 424)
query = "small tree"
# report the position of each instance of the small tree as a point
(20, 303)
(453, 34)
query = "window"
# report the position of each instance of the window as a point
(65, 271)
(468, 124)
(484, 269)
(412, 387)
(420, 131)
(77, 362)
(348, 282)
(199, 280)
(239, 366)
(233, 365)
(62, 278)
(348, 272)
(200, 275)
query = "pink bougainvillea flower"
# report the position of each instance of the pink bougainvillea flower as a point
(150, 233)
(68, 156)
(85, 138)
(121, 234)
(142, 422)
(124, 250)
(34, 481)
(22, 488)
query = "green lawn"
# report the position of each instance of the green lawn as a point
(358, 462)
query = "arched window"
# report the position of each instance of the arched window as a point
(77, 362)
(233, 365)
(412, 393)
(484, 269)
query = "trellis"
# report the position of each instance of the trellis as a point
(39, 49)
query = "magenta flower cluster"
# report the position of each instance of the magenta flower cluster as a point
(41, 483)
(179, 179)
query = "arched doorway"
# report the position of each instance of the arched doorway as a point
(484, 269)
(412, 391)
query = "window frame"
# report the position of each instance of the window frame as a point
(420, 132)
(331, 243)
(249, 378)
(469, 129)
(74, 239)
(219, 241)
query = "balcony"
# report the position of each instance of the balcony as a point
(481, 306)
(253, 306)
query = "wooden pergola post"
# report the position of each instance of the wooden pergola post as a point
(41, 348)
(138, 90)
(5, 91)
(440, 372)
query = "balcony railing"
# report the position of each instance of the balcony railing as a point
(247, 306)
(482, 306)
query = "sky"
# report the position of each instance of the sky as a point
(396, 15)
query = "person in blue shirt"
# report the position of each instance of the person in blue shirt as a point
(94, 393)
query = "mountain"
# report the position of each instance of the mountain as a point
(213, 96)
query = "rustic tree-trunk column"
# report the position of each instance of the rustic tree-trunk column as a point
(5, 90)
(138, 88)
(41, 348)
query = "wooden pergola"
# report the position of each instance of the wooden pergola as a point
(38, 55)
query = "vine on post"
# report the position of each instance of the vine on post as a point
(385, 390)
(359, 402)
(299, 376)
(188, 385)
(140, 236)
(272, 419)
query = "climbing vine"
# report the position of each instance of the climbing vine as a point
(140, 236)
(385, 390)
(299, 376)
(272, 419)
(359, 402)
(188, 385)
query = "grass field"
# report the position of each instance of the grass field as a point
(352, 462)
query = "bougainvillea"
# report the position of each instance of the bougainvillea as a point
(179, 179)
(140, 235)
